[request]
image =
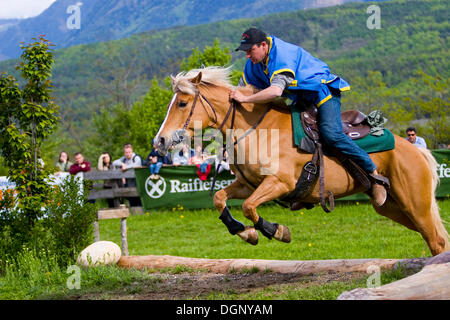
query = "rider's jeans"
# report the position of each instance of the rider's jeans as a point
(330, 128)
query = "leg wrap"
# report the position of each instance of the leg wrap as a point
(267, 228)
(232, 224)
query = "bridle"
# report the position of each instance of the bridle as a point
(231, 111)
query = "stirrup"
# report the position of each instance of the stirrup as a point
(379, 179)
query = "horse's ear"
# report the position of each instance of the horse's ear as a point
(197, 79)
(172, 78)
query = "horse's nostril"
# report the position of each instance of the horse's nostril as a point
(162, 141)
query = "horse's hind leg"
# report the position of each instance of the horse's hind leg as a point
(417, 213)
(391, 210)
(271, 188)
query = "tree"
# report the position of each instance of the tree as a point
(431, 101)
(27, 117)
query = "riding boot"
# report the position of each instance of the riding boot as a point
(379, 194)
(378, 190)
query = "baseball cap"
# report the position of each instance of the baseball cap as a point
(250, 37)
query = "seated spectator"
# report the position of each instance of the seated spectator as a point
(63, 163)
(80, 165)
(155, 161)
(129, 160)
(413, 138)
(224, 165)
(197, 158)
(183, 156)
(202, 161)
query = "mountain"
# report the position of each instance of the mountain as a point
(100, 20)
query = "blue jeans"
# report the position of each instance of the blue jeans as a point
(330, 128)
(155, 167)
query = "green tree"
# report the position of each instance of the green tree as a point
(211, 56)
(27, 118)
(431, 102)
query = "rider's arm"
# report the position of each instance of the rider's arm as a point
(279, 83)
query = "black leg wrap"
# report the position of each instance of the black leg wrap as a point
(267, 228)
(232, 224)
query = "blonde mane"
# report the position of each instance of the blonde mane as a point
(218, 76)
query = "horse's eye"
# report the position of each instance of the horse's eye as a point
(182, 104)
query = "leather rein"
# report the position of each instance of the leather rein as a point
(231, 112)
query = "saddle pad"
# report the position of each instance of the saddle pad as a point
(369, 143)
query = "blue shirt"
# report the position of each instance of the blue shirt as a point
(313, 78)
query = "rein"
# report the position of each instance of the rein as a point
(231, 112)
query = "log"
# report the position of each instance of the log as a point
(432, 283)
(281, 266)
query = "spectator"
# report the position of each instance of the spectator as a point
(104, 164)
(80, 165)
(224, 165)
(183, 156)
(63, 163)
(129, 160)
(413, 138)
(155, 161)
(197, 158)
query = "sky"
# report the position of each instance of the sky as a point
(22, 8)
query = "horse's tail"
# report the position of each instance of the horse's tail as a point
(437, 221)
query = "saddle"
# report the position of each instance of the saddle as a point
(354, 125)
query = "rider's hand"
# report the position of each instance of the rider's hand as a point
(237, 95)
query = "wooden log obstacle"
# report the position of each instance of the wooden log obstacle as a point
(432, 282)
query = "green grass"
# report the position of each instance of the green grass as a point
(349, 232)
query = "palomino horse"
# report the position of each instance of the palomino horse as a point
(202, 96)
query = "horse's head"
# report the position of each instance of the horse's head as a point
(189, 107)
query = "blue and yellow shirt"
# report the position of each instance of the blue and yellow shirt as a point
(312, 76)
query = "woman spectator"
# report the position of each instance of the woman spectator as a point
(63, 163)
(104, 164)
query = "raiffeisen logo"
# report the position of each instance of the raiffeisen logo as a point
(193, 185)
(155, 188)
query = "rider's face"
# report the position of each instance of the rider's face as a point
(257, 53)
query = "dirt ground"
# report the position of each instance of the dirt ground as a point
(166, 286)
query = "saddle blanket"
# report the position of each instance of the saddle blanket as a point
(370, 143)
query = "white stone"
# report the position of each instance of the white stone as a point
(99, 253)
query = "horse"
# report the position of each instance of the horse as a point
(201, 98)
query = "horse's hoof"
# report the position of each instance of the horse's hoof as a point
(283, 234)
(249, 234)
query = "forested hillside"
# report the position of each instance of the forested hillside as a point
(391, 68)
(99, 20)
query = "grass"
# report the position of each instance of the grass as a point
(349, 232)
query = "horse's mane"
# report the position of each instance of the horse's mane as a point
(218, 76)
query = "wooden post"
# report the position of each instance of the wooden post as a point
(123, 232)
(115, 213)
(96, 231)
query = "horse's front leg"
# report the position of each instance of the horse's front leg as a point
(271, 188)
(236, 190)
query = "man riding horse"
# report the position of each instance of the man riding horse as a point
(281, 69)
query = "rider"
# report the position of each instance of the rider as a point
(279, 68)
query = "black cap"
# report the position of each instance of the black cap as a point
(250, 37)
